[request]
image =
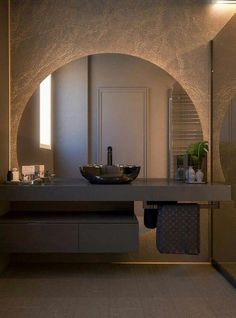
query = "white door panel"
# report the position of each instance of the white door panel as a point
(122, 124)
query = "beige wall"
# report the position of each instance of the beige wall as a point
(172, 34)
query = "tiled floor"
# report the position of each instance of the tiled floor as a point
(115, 291)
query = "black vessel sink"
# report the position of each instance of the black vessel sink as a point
(110, 174)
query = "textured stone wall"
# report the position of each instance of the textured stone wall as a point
(173, 34)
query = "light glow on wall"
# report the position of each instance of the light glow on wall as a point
(225, 6)
(45, 113)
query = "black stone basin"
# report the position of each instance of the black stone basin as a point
(110, 174)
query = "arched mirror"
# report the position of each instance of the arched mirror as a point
(106, 100)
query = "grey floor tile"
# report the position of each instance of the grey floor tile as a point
(122, 307)
(113, 291)
(223, 306)
(163, 307)
(188, 307)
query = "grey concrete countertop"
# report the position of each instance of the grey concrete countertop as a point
(139, 190)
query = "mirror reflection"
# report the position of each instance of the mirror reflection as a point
(107, 100)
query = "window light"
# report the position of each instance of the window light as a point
(45, 113)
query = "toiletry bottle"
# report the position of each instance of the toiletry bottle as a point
(190, 175)
(15, 175)
(9, 175)
(199, 176)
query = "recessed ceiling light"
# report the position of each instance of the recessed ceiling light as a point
(226, 2)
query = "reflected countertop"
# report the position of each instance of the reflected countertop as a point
(138, 190)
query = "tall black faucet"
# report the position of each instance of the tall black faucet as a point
(109, 156)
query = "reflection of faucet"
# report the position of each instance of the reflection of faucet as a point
(109, 156)
(37, 180)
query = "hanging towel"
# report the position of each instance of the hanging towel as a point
(150, 218)
(150, 215)
(178, 229)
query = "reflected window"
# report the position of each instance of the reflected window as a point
(45, 113)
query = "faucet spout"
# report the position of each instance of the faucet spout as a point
(109, 156)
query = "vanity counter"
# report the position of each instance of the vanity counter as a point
(138, 190)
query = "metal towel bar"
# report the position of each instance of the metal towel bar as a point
(155, 204)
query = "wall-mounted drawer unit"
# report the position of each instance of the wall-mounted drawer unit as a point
(108, 238)
(45, 232)
(38, 238)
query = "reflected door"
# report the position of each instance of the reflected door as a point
(122, 124)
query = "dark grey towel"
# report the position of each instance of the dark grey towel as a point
(150, 218)
(178, 229)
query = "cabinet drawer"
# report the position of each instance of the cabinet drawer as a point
(38, 237)
(108, 238)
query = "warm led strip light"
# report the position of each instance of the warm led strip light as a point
(226, 2)
(9, 85)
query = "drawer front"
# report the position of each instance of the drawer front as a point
(108, 238)
(38, 237)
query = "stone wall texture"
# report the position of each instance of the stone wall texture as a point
(173, 34)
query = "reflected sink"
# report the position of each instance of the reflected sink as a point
(110, 174)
